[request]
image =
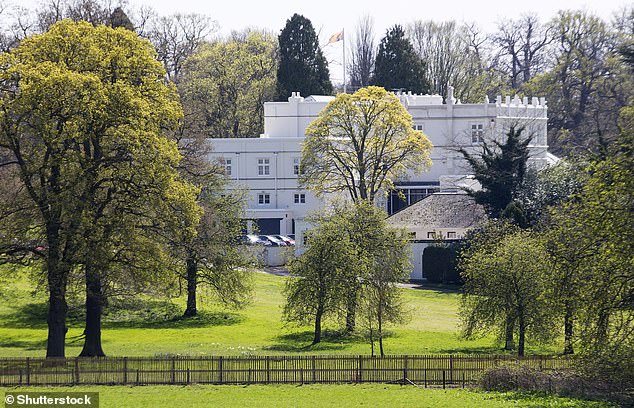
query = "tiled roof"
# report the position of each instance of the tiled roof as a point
(440, 210)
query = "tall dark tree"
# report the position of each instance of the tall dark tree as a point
(397, 65)
(500, 169)
(119, 18)
(303, 67)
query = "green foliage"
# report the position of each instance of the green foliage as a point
(352, 264)
(82, 117)
(316, 289)
(500, 169)
(592, 242)
(548, 187)
(397, 66)
(225, 84)
(506, 287)
(586, 86)
(360, 144)
(303, 67)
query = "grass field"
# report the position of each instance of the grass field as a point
(153, 327)
(311, 396)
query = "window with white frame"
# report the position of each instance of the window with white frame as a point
(299, 198)
(451, 235)
(477, 133)
(296, 168)
(419, 126)
(264, 167)
(227, 165)
(264, 199)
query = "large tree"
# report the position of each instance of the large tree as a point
(82, 115)
(362, 53)
(586, 86)
(397, 66)
(360, 144)
(450, 59)
(505, 288)
(316, 289)
(225, 84)
(523, 46)
(592, 242)
(303, 67)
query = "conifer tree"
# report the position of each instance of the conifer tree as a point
(397, 65)
(303, 67)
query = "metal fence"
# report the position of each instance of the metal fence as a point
(423, 370)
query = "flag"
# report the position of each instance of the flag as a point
(336, 37)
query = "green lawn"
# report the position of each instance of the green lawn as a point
(153, 326)
(367, 395)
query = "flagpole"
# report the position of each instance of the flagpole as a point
(343, 35)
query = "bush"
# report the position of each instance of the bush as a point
(568, 383)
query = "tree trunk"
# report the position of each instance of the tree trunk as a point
(95, 302)
(318, 315)
(56, 318)
(380, 329)
(351, 311)
(522, 336)
(192, 284)
(57, 306)
(568, 331)
(509, 344)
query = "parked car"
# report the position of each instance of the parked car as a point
(289, 241)
(274, 241)
(250, 239)
(291, 236)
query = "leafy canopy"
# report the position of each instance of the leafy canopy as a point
(360, 144)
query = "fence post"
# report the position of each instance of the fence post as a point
(20, 376)
(125, 370)
(173, 371)
(360, 369)
(314, 370)
(268, 370)
(137, 376)
(443, 379)
(220, 368)
(188, 376)
(28, 371)
(450, 369)
(76, 370)
(404, 369)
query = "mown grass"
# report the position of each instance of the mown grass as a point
(365, 395)
(154, 326)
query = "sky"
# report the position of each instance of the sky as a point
(331, 16)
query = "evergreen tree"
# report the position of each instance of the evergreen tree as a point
(119, 18)
(397, 65)
(303, 66)
(500, 169)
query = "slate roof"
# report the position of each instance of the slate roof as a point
(440, 210)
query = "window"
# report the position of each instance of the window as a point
(227, 165)
(264, 199)
(296, 168)
(300, 198)
(264, 167)
(420, 127)
(451, 235)
(431, 235)
(477, 133)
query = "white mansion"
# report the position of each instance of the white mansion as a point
(268, 166)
